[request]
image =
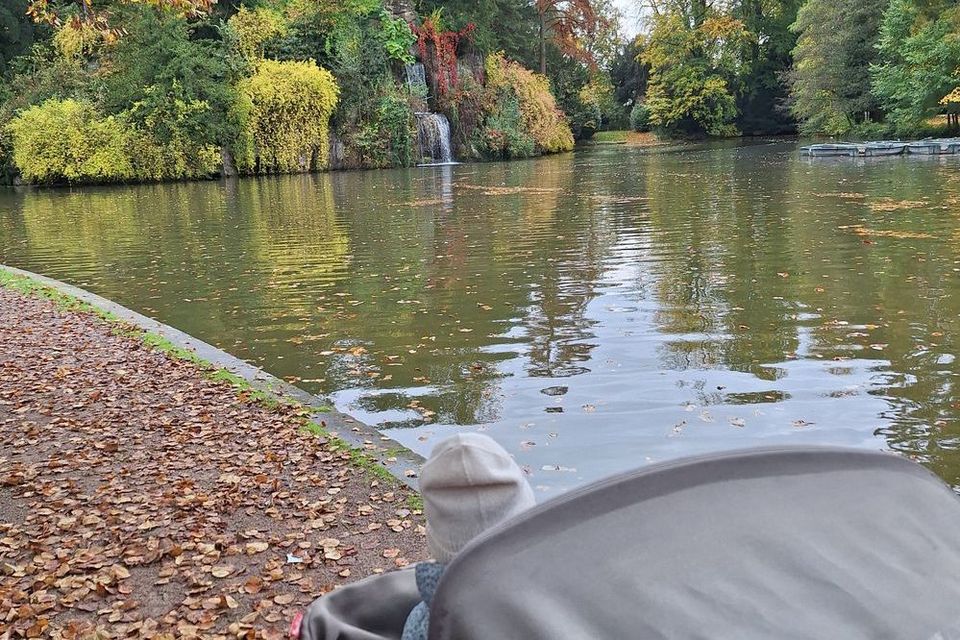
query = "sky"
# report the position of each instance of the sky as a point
(631, 16)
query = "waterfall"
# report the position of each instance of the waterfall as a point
(433, 134)
(417, 77)
(433, 129)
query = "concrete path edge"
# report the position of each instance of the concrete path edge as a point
(400, 461)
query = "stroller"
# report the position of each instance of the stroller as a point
(796, 543)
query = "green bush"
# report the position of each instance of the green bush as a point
(640, 117)
(288, 118)
(171, 84)
(252, 29)
(68, 140)
(521, 107)
(397, 38)
(503, 135)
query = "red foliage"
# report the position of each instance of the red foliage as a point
(438, 51)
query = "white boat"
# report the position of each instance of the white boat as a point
(842, 149)
(934, 147)
(881, 149)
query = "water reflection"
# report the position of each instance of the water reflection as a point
(592, 311)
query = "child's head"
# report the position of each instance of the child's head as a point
(469, 484)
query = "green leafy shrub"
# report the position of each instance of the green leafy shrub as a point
(179, 152)
(537, 115)
(42, 75)
(503, 135)
(290, 104)
(171, 84)
(68, 140)
(253, 28)
(397, 38)
(640, 117)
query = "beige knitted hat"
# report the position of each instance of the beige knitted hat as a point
(469, 484)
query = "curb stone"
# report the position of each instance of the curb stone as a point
(340, 425)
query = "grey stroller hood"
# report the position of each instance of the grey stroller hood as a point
(787, 543)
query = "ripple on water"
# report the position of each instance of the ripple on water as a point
(684, 301)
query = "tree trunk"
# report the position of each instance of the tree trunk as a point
(699, 13)
(543, 43)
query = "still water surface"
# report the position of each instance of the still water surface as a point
(593, 311)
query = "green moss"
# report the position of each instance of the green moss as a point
(163, 345)
(415, 502)
(358, 457)
(29, 286)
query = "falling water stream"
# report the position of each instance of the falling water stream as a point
(433, 135)
(433, 129)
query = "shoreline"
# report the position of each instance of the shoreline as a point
(145, 492)
(394, 458)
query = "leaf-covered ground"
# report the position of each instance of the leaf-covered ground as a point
(138, 498)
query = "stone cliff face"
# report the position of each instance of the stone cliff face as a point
(403, 9)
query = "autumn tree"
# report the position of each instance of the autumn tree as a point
(569, 24)
(94, 15)
(693, 54)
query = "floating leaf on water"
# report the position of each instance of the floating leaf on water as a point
(888, 204)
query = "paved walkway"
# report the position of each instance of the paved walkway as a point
(139, 498)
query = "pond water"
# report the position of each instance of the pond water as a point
(593, 311)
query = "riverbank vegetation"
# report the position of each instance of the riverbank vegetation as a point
(117, 90)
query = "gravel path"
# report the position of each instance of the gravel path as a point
(140, 499)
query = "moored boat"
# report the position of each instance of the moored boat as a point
(842, 149)
(882, 148)
(934, 147)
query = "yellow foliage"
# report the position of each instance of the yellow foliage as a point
(541, 117)
(951, 98)
(288, 107)
(81, 38)
(256, 27)
(68, 140)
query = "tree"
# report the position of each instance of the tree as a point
(830, 79)
(629, 73)
(919, 66)
(169, 83)
(692, 52)
(89, 15)
(569, 24)
(16, 31)
(509, 26)
(762, 89)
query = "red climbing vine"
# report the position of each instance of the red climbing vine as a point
(438, 51)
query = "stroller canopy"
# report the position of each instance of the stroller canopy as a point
(786, 543)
